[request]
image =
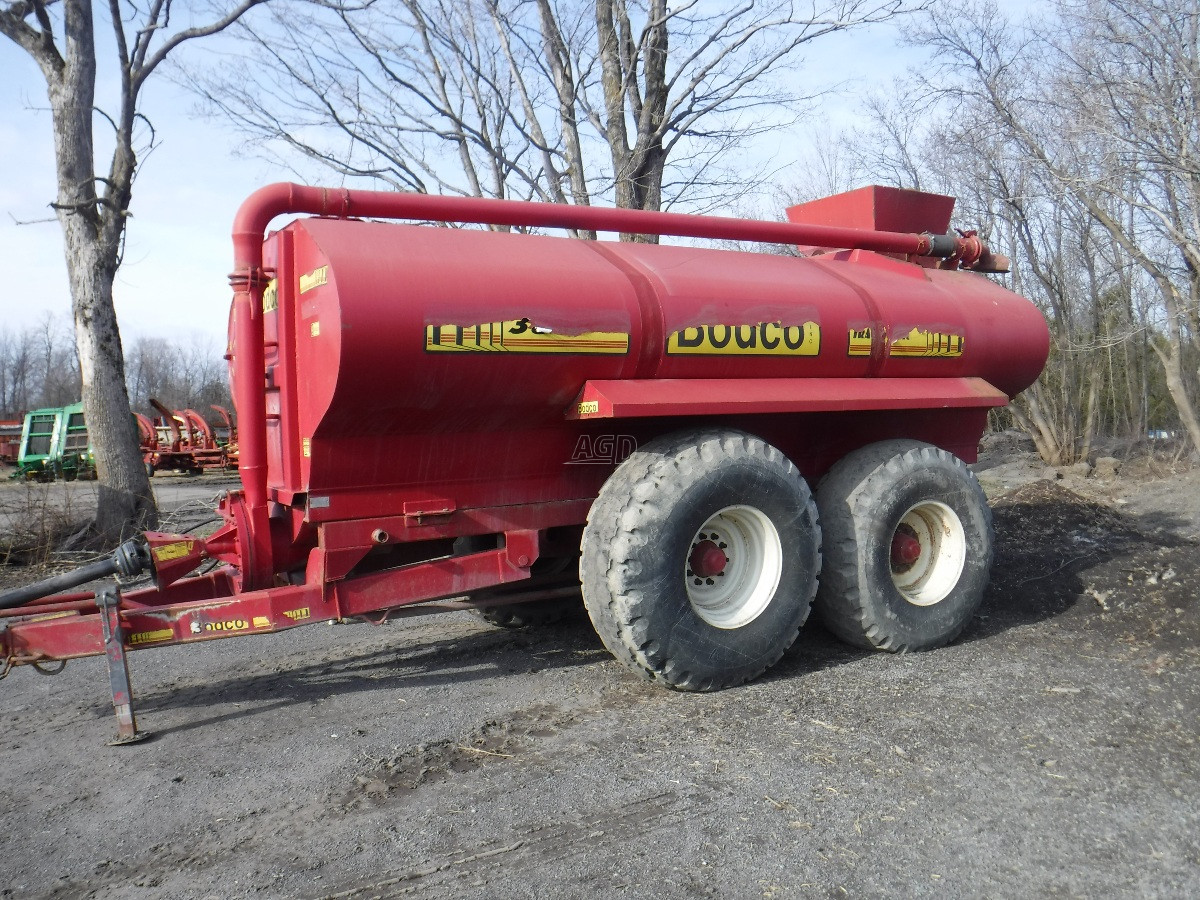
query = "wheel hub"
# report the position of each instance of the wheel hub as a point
(906, 548)
(707, 560)
(733, 566)
(928, 552)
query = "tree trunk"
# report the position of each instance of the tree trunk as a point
(1177, 388)
(92, 234)
(637, 167)
(1034, 422)
(125, 504)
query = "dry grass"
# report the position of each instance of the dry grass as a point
(33, 525)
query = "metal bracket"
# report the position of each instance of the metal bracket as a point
(109, 601)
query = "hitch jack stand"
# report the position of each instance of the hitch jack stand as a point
(109, 601)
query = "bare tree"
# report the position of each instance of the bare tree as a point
(1097, 379)
(1105, 101)
(555, 100)
(179, 374)
(38, 367)
(92, 208)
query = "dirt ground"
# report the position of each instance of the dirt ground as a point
(1050, 752)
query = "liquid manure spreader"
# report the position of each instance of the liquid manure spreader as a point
(711, 441)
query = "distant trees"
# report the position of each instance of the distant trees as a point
(637, 103)
(179, 375)
(1102, 105)
(78, 45)
(1073, 141)
(38, 368)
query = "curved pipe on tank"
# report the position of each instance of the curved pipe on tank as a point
(256, 212)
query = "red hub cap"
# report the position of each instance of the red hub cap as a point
(707, 560)
(906, 549)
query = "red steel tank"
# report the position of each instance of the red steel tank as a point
(456, 361)
(710, 441)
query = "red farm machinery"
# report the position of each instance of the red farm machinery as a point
(10, 440)
(184, 441)
(440, 418)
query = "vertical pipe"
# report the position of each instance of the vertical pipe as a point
(249, 396)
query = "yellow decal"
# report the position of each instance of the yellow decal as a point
(763, 339)
(315, 278)
(297, 614)
(520, 336)
(271, 296)
(918, 343)
(229, 625)
(150, 637)
(860, 342)
(921, 343)
(262, 622)
(314, 329)
(306, 447)
(589, 407)
(177, 550)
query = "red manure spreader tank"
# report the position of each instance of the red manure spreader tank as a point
(712, 442)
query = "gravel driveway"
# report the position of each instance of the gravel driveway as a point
(1051, 751)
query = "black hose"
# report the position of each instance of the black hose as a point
(57, 583)
(129, 559)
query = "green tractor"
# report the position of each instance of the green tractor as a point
(73, 456)
(38, 436)
(55, 444)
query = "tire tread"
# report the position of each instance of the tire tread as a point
(619, 520)
(841, 602)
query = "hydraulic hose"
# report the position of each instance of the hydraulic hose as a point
(128, 560)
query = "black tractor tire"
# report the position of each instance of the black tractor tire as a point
(872, 503)
(670, 616)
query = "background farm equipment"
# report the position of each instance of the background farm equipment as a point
(10, 440)
(54, 444)
(419, 435)
(183, 441)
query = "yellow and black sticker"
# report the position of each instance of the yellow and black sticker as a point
(860, 342)
(520, 336)
(589, 407)
(175, 550)
(921, 343)
(917, 344)
(313, 279)
(298, 615)
(151, 637)
(262, 622)
(271, 296)
(763, 339)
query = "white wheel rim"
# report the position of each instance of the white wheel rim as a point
(940, 551)
(737, 594)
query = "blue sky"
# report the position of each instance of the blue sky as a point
(173, 281)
